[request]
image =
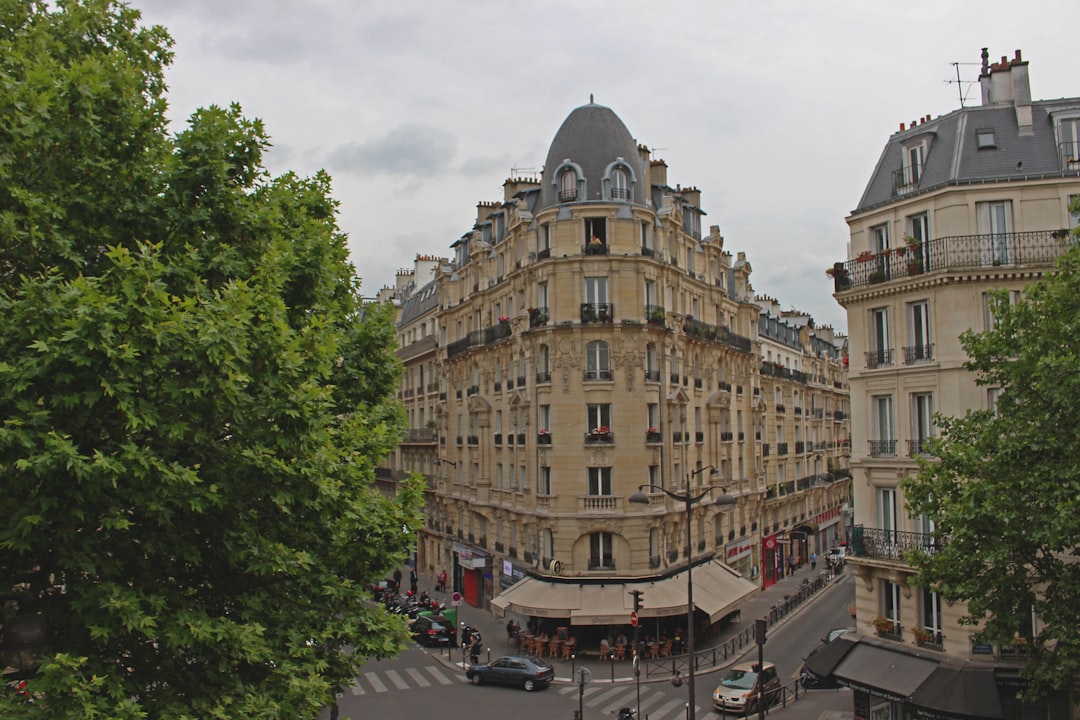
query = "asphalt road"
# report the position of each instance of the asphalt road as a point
(417, 684)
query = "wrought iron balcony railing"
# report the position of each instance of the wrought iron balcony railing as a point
(956, 252)
(918, 353)
(885, 544)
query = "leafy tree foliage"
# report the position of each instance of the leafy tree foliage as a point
(193, 397)
(1005, 495)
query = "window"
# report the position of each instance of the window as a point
(654, 547)
(597, 361)
(598, 416)
(992, 397)
(652, 365)
(994, 221)
(544, 242)
(652, 415)
(543, 366)
(1074, 210)
(600, 551)
(596, 290)
(880, 353)
(888, 511)
(883, 442)
(543, 481)
(890, 601)
(1068, 132)
(599, 481)
(620, 184)
(913, 163)
(989, 320)
(931, 611)
(922, 422)
(568, 185)
(919, 348)
(547, 544)
(646, 240)
(984, 138)
(879, 238)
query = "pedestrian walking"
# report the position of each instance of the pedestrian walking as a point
(791, 564)
(442, 581)
(413, 583)
(397, 579)
(474, 650)
(813, 561)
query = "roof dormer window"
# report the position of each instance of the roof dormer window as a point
(619, 181)
(984, 139)
(568, 179)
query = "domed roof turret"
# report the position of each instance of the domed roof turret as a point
(593, 143)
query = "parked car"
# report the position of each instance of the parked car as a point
(434, 631)
(524, 671)
(739, 690)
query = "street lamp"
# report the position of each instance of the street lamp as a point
(689, 499)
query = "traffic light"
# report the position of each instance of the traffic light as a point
(638, 603)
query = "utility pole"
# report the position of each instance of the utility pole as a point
(638, 594)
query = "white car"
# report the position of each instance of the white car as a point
(742, 684)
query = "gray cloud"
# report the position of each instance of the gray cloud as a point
(409, 149)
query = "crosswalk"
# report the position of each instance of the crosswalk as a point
(603, 698)
(382, 681)
(607, 699)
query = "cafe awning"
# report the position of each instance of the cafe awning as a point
(958, 692)
(717, 590)
(885, 673)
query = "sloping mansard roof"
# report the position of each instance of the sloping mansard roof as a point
(953, 158)
(592, 137)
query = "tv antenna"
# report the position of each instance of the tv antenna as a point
(963, 87)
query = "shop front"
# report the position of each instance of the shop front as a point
(471, 574)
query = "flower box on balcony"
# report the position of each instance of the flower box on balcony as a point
(543, 437)
(652, 435)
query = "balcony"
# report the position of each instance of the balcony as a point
(592, 313)
(420, 436)
(595, 247)
(652, 376)
(593, 375)
(906, 179)
(882, 448)
(599, 437)
(918, 353)
(538, 317)
(543, 438)
(715, 333)
(881, 357)
(653, 437)
(956, 252)
(919, 447)
(656, 315)
(598, 503)
(1069, 156)
(543, 377)
(880, 544)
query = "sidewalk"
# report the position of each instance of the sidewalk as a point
(753, 607)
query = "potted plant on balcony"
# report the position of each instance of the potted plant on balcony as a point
(600, 433)
(923, 635)
(543, 436)
(656, 316)
(883, 624)
(864, 256)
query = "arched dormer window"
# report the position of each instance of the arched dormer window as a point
(569, 181)
(619, 181)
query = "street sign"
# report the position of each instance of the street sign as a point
(455, 599)
(633, 619)
(582, 676)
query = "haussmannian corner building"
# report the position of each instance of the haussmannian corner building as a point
(957, 206)
(586, 339)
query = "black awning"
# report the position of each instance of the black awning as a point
(885, 673)
(826, 657)
(952, 692)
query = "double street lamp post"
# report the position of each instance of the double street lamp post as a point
(689, 499)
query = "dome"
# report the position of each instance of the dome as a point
(593, 143)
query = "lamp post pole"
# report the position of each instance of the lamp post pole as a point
(688, 499)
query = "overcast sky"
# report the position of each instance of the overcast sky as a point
(777, 111)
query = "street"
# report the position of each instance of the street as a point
(420, 683)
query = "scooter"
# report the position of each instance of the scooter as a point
(626, 714)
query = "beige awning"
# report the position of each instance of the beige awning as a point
(717, 589)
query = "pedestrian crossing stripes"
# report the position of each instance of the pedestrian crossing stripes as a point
(381, 681)
(655, 704)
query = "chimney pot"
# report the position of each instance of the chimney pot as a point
(1018, 57)
(901, 127)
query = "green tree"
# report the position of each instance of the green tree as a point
(1004, 491)
(193, 396)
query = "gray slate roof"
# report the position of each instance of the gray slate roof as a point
(592, 136)
(953, 158)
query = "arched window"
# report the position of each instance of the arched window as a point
(620, 184)
(597, 361)
(601, 555)
(568, 185)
